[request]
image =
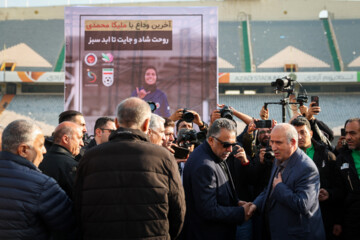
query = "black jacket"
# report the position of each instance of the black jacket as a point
(31, 204)
(129, 188)
(60, 164)
(212, 210)
(349, 189)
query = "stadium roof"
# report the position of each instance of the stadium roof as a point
(23, 56)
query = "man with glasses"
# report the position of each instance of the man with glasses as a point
(104, 126)
(213, 209)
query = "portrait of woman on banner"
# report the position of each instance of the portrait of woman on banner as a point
(150, 92)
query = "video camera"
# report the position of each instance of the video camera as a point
(188, 137)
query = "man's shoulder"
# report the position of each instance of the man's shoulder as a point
(25, 175)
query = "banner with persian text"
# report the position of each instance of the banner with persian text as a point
(167, 55)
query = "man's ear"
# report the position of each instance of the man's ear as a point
(65, 139)
(311, 133)
(22, 150)
(117, 125)
(145, 125)
(98, 132)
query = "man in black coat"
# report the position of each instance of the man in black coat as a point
(59, 163)
(213, 209)
(348, 164)
(129, 188)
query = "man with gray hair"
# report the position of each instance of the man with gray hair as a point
(157, 129)
(289, 206)
(213, 210)
(129, 188)
(31, 204)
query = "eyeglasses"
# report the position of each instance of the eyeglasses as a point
(110, 130)
(225, 144)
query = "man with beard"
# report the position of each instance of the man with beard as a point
(348, 163)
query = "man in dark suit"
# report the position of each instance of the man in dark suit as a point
(289, 205)
(213, 210)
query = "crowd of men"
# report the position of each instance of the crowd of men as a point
(143, 176)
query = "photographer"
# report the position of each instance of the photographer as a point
(185, 119)
(322, 133)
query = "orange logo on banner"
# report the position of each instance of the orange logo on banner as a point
(29, 76)
(224, 77)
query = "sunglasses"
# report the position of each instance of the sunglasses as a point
(225, 144)
(106, 129)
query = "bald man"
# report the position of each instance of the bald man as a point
(289, 206)
(59, 163)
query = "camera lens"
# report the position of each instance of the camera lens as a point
(188, 116)
(152, 106)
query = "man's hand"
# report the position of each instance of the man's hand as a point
(277, 180)
(177, 114)
(313, 110)
(241, 155)
(264, 113)
(141, 93)
(215, 115)
(337, 229)
(341, 142)
(197, 118)
(323, 195)
(251, 127)
(261, 155)
(249, 209)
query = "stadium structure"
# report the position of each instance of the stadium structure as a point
(258, 42)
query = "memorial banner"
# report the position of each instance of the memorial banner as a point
(167, 55)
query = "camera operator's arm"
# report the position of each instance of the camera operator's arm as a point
(248, 139)
(215, 115)
(242, 116)
(177, 115)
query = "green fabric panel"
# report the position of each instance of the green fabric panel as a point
(246, 47)
(331, 45)
(60, 61)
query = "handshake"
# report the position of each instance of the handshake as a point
(249, 209)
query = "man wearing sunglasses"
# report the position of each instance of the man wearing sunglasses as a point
(104, 126)
(213, 209)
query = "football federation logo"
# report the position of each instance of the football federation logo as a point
(107, 57)
(90, 59)
(108, 76)
(91, 75)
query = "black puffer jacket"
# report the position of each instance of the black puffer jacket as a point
(31, 203)
(129, 188)
(349, 184)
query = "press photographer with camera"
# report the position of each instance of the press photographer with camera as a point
(185, 119)
(321, 132)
